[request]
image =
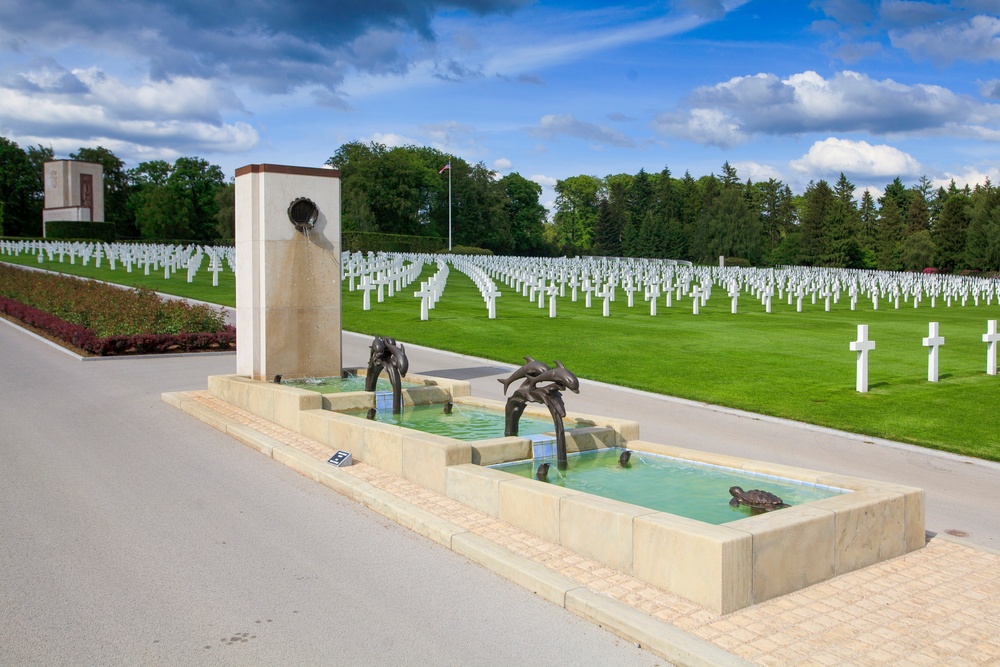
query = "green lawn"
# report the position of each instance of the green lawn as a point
(201, 288)
(787, 364)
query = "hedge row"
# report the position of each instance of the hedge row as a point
(87, 340)
(105, 309)
(73, 229)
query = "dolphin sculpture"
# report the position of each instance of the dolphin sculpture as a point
(531, 368)
(390, 356)
(544, 385)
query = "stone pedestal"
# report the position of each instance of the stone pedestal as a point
(74, 190)
(287, 275)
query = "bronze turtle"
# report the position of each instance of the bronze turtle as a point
(755, 499)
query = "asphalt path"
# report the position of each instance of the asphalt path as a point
(133, 534)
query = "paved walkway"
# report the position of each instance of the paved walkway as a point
(936, 606)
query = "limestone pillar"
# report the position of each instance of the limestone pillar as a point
(287, 272)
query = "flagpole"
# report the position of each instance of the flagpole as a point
(449, 205)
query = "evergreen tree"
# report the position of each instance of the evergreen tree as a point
(668, 215)
(890, 236)
(983, 236)
(842, 223)
(729, 177)
(918, 217)
(813, 214)
(702, 199)
(844, 190)
(731, 229)
(868, 216)
(918, 251)
(690, 209)
(950, 235)
(900, 196)
(609, 229)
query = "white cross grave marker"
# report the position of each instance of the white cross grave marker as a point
(367, 287)
(991, 337)
(862, 346)
(425, 293)
(933, 342)
(492, 294)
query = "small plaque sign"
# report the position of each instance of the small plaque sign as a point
(341, 459)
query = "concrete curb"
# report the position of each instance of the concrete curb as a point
(658, 637)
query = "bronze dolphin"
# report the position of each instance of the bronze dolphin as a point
(529, 369)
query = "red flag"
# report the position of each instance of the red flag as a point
(445, 168)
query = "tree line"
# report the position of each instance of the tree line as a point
(405, 190)
(764, 223)
(188, 199)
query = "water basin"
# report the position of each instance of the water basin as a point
(694, 490)
(336, 385)
(466, 422)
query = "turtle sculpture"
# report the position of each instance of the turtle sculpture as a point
(755, 499)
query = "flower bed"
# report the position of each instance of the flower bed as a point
(106, 320)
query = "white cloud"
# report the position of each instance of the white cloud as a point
(977, 39)
(971, 176)
(391, 139)
(87, 107)
(755, 171)
(856, 159)
(730, 112)
(502, 164)
(552, 126)
(544, 181)
(711, 127)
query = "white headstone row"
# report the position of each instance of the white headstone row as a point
(172, 258)
(603, 278)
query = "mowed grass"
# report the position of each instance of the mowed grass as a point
(786, 364)
(200, 288)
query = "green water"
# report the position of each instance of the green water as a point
(687, 489)
(336, 385)
(464, 423)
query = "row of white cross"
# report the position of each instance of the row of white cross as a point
(933, 342)
(487, 288)
(173, 258)
(538, 278)
(385, 274)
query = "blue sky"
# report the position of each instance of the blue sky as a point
(797, 91)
